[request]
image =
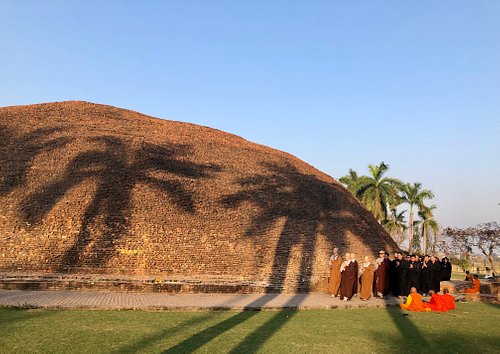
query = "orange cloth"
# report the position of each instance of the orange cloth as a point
(476, 287)
(448, 301)
(334, 285)
(436, 303)
(413, 303)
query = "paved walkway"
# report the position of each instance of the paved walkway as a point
(188, 302)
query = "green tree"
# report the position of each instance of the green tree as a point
(395, 225)
(377, 192)
(428, 226)
(350, 181)
(414, 196)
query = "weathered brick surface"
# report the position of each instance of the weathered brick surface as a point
(89, 188)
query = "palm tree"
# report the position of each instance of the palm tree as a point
(414, 195)
(395, 225)
(428, 224)
(415, 247)
(350, 181)
(377, 192)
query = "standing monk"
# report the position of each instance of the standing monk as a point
(335, 262)
(435, 269)
(413, 277)
(343, 277)
(381, 275)
(401, 272)
(445, 269)
(355, 265)
(425, 276)
(367, 270)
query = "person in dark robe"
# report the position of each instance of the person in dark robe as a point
(445, 269)
(355, 265)
(347, 279)
(413, 277)
(388, 267)
(432, 273)
(435, 268)
(401, 272)
(393, 275)
(381, 275)
(425, 276)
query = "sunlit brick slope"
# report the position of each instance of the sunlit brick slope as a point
(88, 188)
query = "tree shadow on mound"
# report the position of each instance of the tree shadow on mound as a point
(309, 206)
(17, 153)
(116, 170)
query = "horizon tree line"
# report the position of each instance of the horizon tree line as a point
(384, 197)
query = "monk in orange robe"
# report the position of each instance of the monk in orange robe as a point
(413, 302)
(436, 303)
(476, 286)
(335, 262)
(448, 300)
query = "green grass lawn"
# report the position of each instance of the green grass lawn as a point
(472, 328)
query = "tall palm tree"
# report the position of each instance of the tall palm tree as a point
(395, 225)
(428, 224)
(377, 192)
(414, 196)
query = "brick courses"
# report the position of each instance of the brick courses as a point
(88, 188)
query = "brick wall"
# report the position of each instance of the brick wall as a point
(92, 188)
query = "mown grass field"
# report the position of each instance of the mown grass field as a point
(472, 328)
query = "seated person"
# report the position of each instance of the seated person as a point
(448, 300)
(436, 303)
(490, 274)
(413, 302)
(468, 276)
(476, 286)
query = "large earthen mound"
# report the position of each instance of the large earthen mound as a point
(87, 188)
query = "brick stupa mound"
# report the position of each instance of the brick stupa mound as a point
(94, 189)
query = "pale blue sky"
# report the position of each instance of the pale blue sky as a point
(339, 84)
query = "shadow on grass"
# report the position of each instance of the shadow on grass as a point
(438, 342)
(201, 338)
(12, 315)
(254, 341)
(413, 340)
(152, 340)
(408, 330)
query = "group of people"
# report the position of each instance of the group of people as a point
(437, 302)
(384, 276)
